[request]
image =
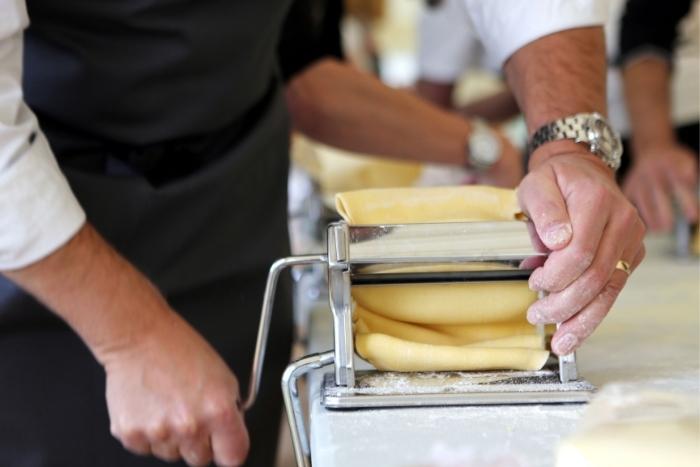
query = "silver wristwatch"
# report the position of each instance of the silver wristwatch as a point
(483, 146)
(589, 128)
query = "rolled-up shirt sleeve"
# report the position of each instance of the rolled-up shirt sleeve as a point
(38, 211)
(504, 26)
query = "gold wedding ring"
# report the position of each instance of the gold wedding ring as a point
(624, 266)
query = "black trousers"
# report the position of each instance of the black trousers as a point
(205, 234)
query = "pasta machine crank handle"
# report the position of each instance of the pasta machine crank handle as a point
(266, 316)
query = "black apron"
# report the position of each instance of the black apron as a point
(197, 201)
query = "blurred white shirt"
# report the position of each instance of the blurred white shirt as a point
(450, 43)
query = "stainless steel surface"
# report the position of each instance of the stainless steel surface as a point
(390, 389)
(292, 402)
(482, 251)
(458, 242)
(567, 366)
(341, 303)
(266, 315)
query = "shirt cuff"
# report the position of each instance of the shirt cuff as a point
(38, 211)
(506, 26)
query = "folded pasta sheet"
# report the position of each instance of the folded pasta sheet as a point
(439, 327)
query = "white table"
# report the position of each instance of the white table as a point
(650, 339)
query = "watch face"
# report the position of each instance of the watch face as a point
(484, 148)
(603, 139)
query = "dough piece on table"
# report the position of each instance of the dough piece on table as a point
(640, 444)
(389, 353)
(416, 205)
(368, 322)
(458, 303)
(626, 426)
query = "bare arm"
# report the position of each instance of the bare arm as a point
(571, 195)
(439, 94)
(168, 392)
(495, 108)
(343, 107)
(662, 168)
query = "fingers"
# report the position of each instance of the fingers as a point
(197, 451)
(229, 437)
(167, 451)
(133, 440)
(687, 200)
(560, 306)
(590, 211)
(575, 330)
(223, 439)
(641, 197)
(541, 200)
(663, 209)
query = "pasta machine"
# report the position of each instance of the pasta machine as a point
(368, 255)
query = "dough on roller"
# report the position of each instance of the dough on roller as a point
(368, 322)
(415, 205)
(441, 327)
(487, 331)
(462, 303)
(390, 353)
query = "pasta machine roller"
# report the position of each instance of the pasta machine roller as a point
(369, 255)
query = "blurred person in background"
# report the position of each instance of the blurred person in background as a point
(660, 63)
(334, 103)
(656, 108)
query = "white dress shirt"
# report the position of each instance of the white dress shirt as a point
(459, 34)
(38, 212)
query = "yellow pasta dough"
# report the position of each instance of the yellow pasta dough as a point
(390, 353)
(441, 327)
(639, 444)
(457, 303)
(415, 205)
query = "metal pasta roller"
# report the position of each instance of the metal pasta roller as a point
(368, 255)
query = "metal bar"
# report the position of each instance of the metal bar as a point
(437, 277)
(266, 316)
(292, 402)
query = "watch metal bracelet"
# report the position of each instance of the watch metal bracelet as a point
(589, 128)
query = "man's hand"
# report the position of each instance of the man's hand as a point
(581, 215)
(168, 392)
(658, 175)
(172, 396)
(508, 171)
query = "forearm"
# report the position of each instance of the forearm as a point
(439, 94)
(647, 96)
(495, 108)
(559, 75)
(340, 106)
(98, 293)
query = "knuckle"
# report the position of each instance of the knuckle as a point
(597, 278)
(157, 432)
(185, 427)
(220, 409)
(612, 290)
(582, 258)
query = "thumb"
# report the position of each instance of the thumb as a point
(542, 201)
